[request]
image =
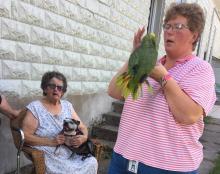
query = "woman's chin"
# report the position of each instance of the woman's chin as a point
(169, 50)
(55, 97)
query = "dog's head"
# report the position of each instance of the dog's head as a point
(70, 126)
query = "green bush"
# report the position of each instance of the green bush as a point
(216, 169)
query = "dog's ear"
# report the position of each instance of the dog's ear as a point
(77, 122)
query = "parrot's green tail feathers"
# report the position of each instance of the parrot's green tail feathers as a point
(149, 87)
(135, 92)
(126, 92)
(122, 82)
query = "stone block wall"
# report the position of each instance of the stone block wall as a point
(82, 39)
(86, 40)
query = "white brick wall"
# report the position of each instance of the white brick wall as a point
(87, 40)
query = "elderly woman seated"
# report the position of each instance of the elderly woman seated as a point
(44, 122)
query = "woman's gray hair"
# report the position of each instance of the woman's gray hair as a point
(48, 76)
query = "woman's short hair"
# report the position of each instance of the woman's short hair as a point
(192, 12)
(48, 76)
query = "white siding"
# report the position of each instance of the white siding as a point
(216, 46)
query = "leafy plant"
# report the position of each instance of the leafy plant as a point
(216, 169)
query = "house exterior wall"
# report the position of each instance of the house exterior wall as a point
(205, 35)
(86, 40)
(216, 67)
(215, 53)
(216, 47)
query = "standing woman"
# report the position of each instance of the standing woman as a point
(44, 122)
(161, 131)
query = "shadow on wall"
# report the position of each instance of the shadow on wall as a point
(90, 107)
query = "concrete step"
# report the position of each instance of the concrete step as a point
(105, 132)
(107, 149)
(108, 145)
(118, 106)
(112, 118)
(217, 98)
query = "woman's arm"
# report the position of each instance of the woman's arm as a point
(113, 90)
(29, 127)
(184, 109)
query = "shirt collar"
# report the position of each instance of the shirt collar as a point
(178, 61)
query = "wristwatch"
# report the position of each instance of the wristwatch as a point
(163, 80)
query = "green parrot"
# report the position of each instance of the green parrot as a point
(141, 61)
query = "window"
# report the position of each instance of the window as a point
(156, 17)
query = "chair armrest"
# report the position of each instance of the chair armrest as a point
(19, 139)
(37, 157)
(98, 148)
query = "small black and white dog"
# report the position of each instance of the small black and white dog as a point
(70, 128)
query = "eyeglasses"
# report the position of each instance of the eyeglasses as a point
(175, 27)
(54, 86)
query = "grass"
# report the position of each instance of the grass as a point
(218, 85)
(207, 120)
(216, 169)
(217, 88)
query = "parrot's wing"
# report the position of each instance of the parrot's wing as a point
(140, 64)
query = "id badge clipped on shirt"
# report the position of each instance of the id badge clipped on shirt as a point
(133, 166)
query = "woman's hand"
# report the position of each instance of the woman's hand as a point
(77, 140)
(60, 139)
(158, 72)
(137, 38)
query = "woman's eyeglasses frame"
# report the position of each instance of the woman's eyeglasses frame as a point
(54, 86)
(175, 27)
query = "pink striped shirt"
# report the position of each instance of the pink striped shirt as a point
(148, 132)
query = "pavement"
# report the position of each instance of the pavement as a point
(211, 141)
(215, 113)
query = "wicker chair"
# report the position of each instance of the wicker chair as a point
(36, 156)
